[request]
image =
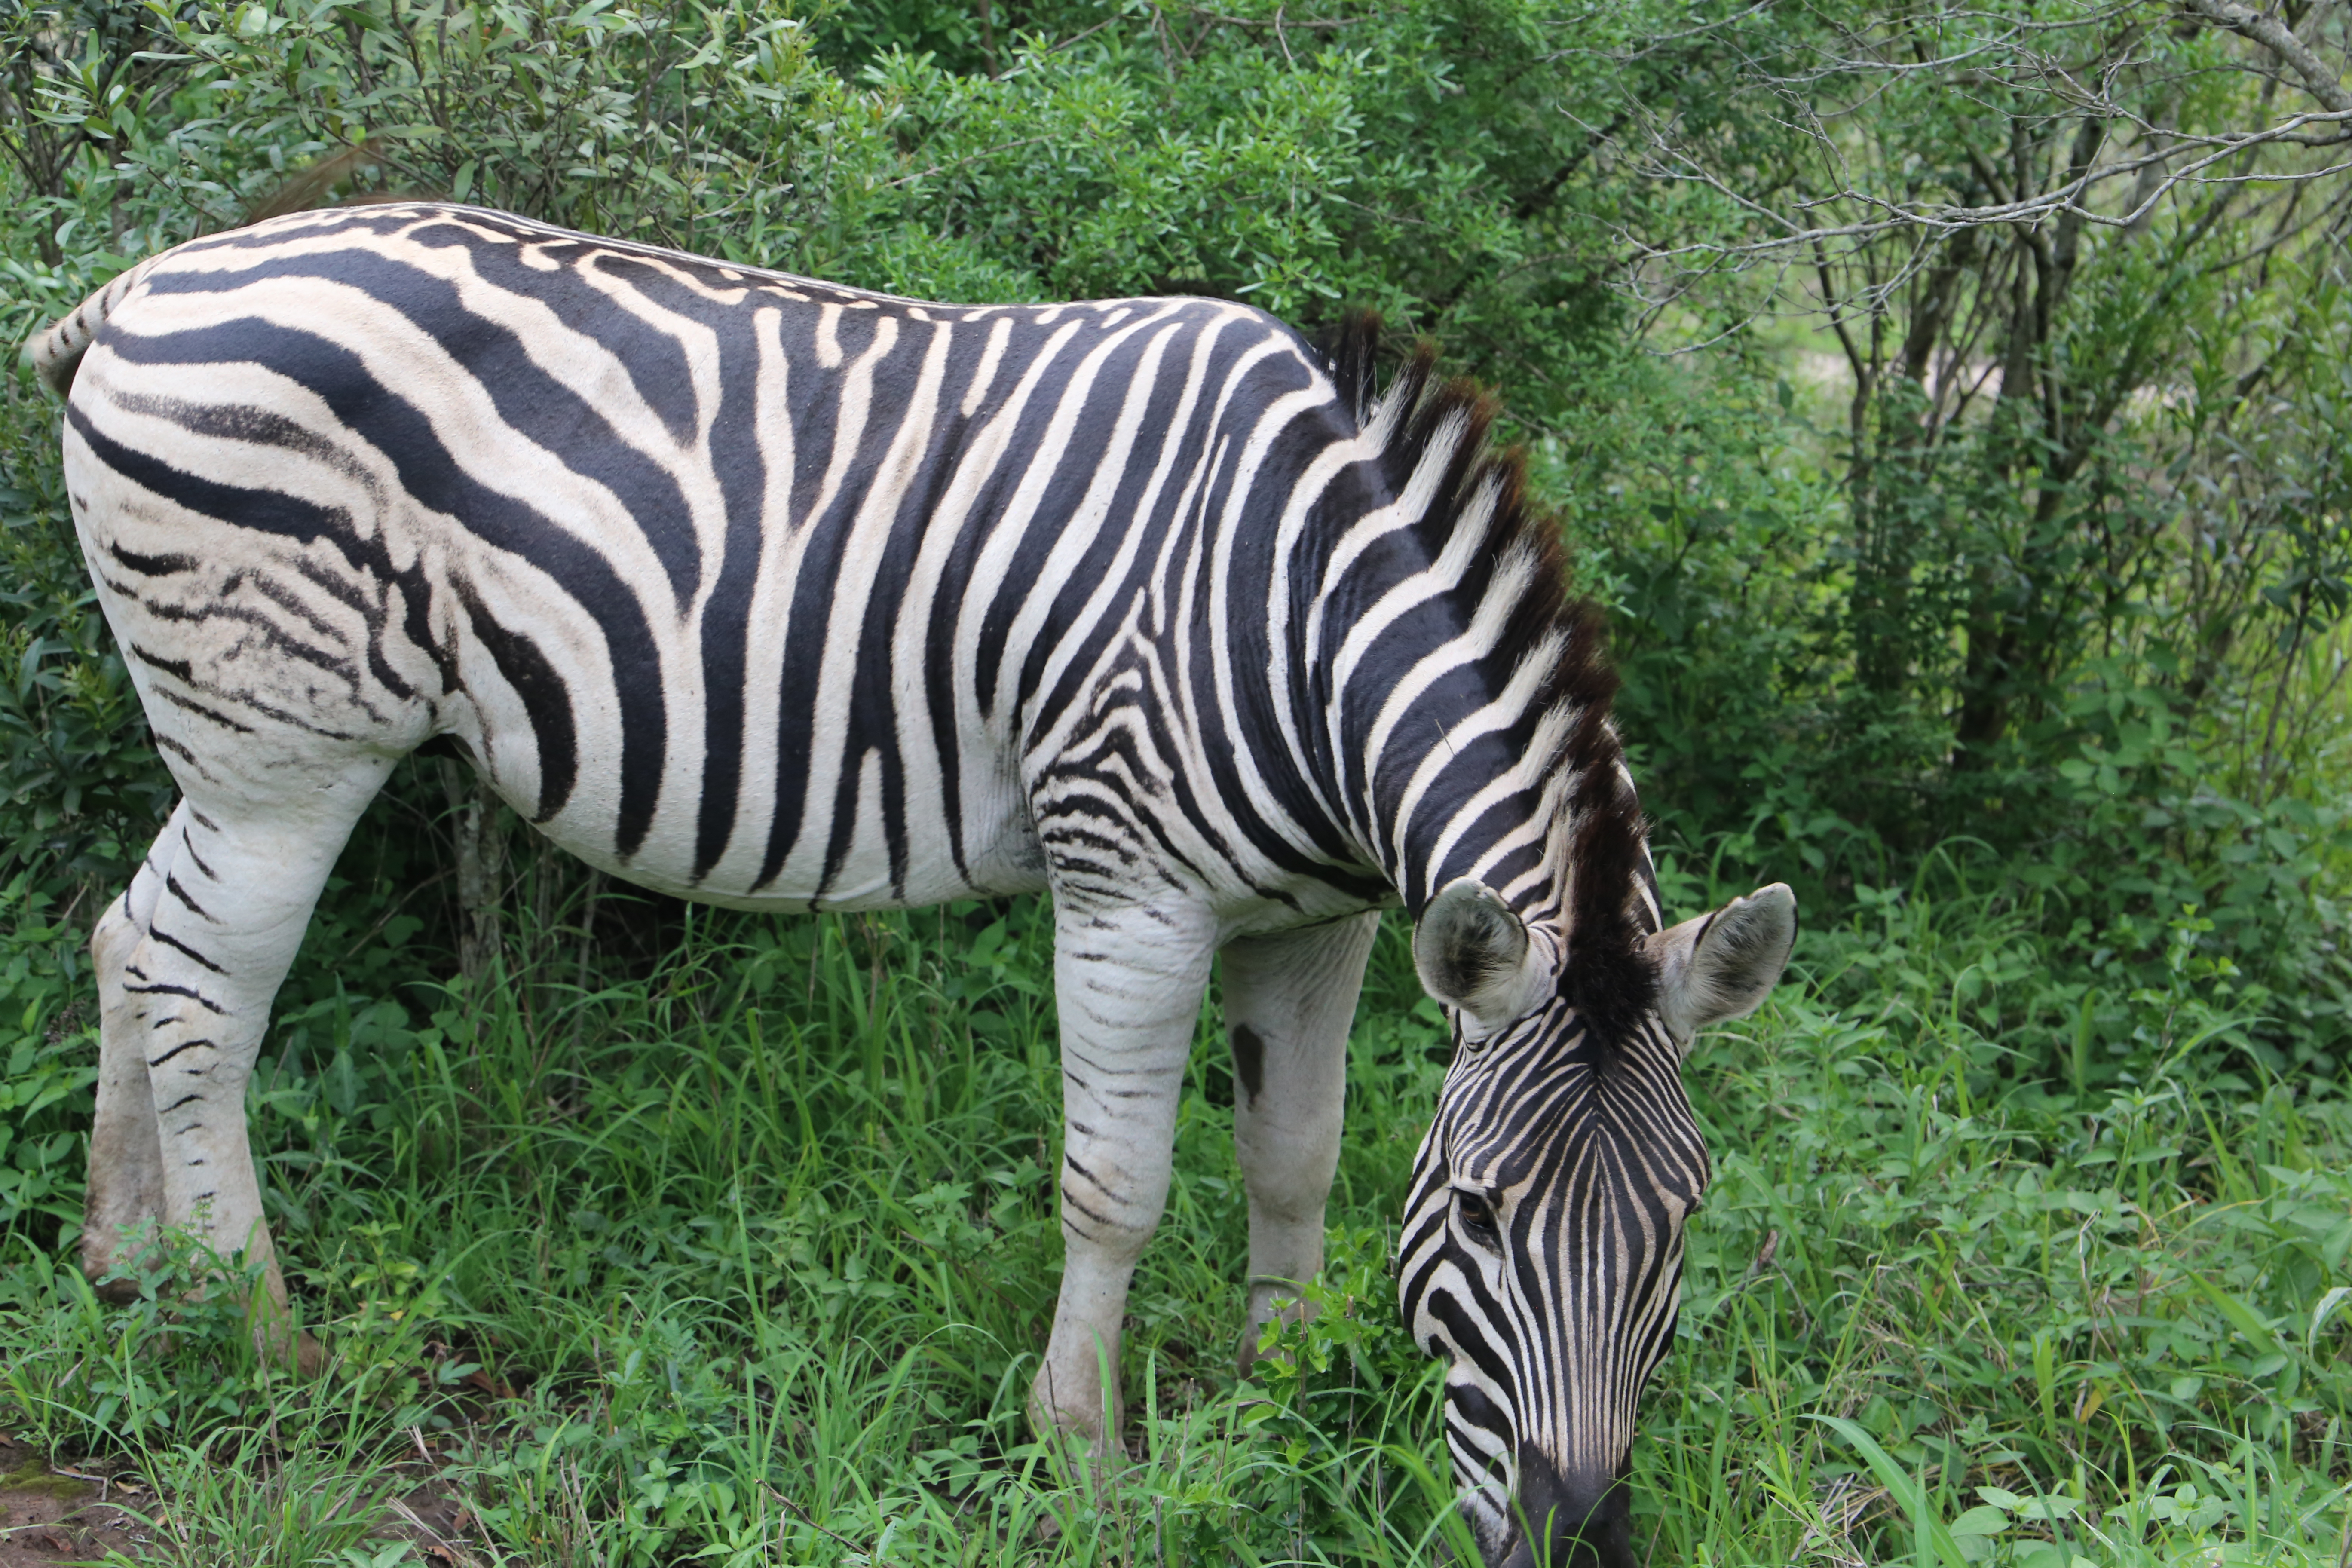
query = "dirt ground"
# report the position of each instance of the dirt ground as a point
(61, 1513)
(54, 1512)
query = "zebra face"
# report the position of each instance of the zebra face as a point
(1542, 1252)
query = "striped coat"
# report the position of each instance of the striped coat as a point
(775, 594)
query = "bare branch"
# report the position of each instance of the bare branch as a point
(2068, 199)
(2275, 35)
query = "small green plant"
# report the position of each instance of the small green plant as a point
(309, 1489)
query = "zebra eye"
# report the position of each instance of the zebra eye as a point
(1477, 1217)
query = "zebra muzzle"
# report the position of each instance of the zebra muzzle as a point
(1560, 1522)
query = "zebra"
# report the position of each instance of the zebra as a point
(775, 594)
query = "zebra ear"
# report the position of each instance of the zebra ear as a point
(1472, 953)
(1722, 965)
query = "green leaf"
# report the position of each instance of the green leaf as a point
(2247, 1322)
(1981, 1520)
(2320, 1313)
(1903, 1488)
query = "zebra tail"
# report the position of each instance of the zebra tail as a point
(55, 352)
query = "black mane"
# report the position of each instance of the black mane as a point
(1609, 979)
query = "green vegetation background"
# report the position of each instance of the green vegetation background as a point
(1985, 580)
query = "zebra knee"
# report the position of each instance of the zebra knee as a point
(1288, 1167)
(112, 937)
(1097, 1216)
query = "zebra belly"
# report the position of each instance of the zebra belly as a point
(1000, 858)
(782, 783)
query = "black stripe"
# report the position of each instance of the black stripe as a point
(437, 482)
(542, 408)
(213, 714)
(816, 433)
(168, 940)
(178, 667)
(172, 884)
(150, 565)
(737, 458)
(165, 990)
(546, 700)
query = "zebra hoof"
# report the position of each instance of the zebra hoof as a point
(113, 1272)
(280, 1343)
(115, 1250)
(292, 1350)
(287, 1351)
(1083, 1435)
(1272, 1299)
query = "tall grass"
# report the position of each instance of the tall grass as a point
(748, 1258)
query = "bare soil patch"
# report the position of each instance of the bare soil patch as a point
(56, 1513)
(51, 1514)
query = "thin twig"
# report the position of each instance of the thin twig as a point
(807, 1519)
(443, 1541)
(1079, 36)
(103, 1481)
(1278, 22)
(959, 163)
(2063, 200)
(2275, 35)
(401, 904)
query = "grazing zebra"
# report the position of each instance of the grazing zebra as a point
(784, 595)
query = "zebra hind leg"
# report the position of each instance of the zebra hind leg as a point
(1129, 983)
(123, 1201)
(1289, 998)
(241, 879)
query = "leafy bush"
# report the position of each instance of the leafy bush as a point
(671, 1231)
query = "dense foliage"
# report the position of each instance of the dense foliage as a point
(1951, 404)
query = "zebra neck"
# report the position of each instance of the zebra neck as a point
(1428, 783)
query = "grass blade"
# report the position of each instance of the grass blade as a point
(1924, 1521)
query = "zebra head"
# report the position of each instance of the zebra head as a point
(1542, 1252)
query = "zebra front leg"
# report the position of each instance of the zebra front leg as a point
(1289, 998)
(240, 883)
(1128, 984)
(123, 1201)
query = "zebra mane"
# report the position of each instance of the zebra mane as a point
(1557, 637)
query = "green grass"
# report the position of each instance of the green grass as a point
(747, 1260)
